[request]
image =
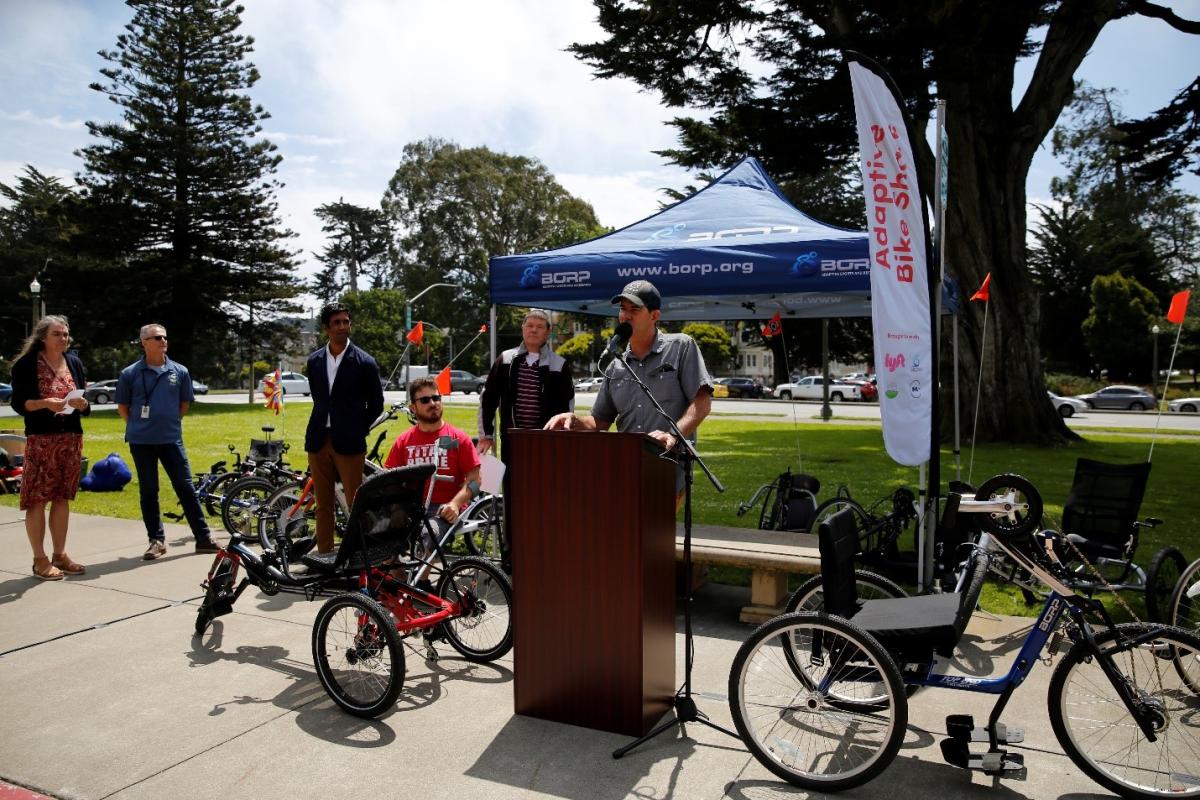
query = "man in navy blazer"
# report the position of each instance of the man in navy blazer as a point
(347, 397)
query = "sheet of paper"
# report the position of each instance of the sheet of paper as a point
(491, 472)
(77, 393)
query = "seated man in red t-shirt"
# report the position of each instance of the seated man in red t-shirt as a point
(419, 445)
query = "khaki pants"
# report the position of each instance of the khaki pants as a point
(326, 466)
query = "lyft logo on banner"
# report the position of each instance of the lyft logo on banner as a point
(899, 282)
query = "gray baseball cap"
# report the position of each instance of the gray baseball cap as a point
(640, 293)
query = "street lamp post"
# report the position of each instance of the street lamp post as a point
(1154, 377)
(408, 322)
(35, 291)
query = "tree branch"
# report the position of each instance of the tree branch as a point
(1165, 14)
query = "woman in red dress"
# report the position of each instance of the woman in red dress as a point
(43, 375)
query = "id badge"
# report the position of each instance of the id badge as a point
(145, 412)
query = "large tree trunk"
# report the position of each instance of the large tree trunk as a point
(991, 148)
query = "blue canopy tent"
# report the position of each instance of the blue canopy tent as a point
(736, 249)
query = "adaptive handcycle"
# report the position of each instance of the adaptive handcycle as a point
(821, 698)
(390, 578)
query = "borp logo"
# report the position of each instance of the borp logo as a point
(531, 276)
(806, 265)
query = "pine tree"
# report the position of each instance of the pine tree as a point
(188, 174)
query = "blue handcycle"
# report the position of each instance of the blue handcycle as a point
(821, 698)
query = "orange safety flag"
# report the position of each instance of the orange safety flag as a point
(417, 333)
(774, 327)
(1178, 308)
(483, 328)
(273, 389)
(984, 293)
(443, 382)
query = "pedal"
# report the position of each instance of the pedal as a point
(994, 762)
(962, 727)
(955, 753)
(301, 547)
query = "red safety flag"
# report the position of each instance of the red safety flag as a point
(443, 382)
(483, 328)
(984, 293)
(774, 327)
(417, 333)
(1178, 308)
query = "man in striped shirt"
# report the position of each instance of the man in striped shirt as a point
(528, 384)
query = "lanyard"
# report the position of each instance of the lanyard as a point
(158, 377)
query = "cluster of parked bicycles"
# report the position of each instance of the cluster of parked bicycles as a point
(820, 693)
(390, 578)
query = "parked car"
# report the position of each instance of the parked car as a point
(868, 390)
(293, 383)
(1133, 398)
(1184, 405)
(1066, 406)
(5, 393)
(812, 388)
(468, 382)
(198, 387)
(741, 387)
(100, 392)
(588, 384)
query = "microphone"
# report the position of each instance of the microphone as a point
(620, 338)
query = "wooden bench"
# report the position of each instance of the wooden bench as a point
(771, 555)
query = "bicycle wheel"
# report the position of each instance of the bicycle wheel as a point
(483, 630)
(216, 492)
(1024, 515)
(1184, 612)
(358, 655)
(289, 517)
(806, 726)
(218, 594)
(1096, 729)
(486, 540)
(241, 503)
(1161, 578)
(867, 586)
(835, 504)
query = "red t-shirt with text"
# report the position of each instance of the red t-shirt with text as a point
(416, 446)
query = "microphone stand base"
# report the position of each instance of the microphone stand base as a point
(685, 712)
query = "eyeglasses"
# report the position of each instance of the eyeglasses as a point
(429, 398)
(60, 334)
(155, 338)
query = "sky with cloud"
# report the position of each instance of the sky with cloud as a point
(349, 83)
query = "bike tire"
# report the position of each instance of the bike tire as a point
(217, 490)
(810, 596)
(241, 503)
(1096, 729)
(1166, 567)
(218, 589)
(487, 541)
(1184, 612)
(835, 504)
(482, 632)
(358, 655)
(288, 518)
(791, 726)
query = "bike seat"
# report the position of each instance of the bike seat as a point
(1093, 548)
(913, 625)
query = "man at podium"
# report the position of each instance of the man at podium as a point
(670, 364)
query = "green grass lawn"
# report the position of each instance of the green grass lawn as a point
(743, 455)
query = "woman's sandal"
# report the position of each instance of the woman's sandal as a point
(63, 562)
(47, 571)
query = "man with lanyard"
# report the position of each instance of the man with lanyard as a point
(153, 394)
(347, 397)
(670, 364)
(528, 384)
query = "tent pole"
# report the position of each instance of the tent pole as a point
(957, 424)
(826, 411)
(492, 335)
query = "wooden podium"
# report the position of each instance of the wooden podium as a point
(593, 521)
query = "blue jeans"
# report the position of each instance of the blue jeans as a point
(146, 458)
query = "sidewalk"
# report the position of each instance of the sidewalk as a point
(104, 693)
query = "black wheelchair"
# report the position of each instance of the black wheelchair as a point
(390, 578)
(821, 698)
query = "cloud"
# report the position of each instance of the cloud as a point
(302, 138)
(55, 121)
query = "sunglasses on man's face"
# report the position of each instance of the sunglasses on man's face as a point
(429, 398)
(155, 338)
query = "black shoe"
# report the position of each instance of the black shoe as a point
(207, 545)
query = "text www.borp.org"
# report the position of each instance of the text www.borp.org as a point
(742, 267)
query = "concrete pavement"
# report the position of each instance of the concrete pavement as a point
(104, 693)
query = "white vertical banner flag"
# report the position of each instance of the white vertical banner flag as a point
(900, 316)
